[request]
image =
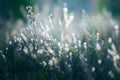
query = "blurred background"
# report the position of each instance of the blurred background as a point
(14, 15)
(14, 11)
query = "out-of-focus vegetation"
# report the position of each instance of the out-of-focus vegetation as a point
(113, 6)
(30, 56)
(10, 12)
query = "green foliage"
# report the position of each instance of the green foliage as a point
(17, 65)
